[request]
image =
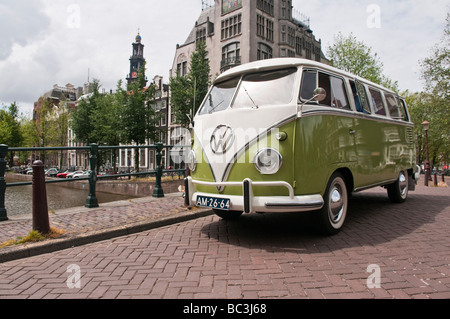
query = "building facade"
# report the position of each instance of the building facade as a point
(242, 31)
(61, 99)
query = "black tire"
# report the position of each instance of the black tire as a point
(334, 211)
(398, 191)
(227, 215)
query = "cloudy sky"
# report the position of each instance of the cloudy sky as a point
(47, 42)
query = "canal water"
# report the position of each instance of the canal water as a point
(18, 199)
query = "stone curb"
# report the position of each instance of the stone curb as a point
(70, 241)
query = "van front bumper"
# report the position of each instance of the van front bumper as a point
(248, 203)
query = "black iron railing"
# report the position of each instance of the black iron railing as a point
(91, 201)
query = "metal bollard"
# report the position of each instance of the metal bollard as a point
(435, 179)
(41, 221)
(3, 152)
(158, 191)
(91, 200)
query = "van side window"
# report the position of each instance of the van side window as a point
(336, 94)
(402, 109)
(360, 96)
(309, 84)
(334, 86)
(339, 97)
(377, 102)
(394, 107)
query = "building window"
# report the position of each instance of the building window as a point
(201, 34)
(317, 53)
(264, 51)
(231, 27)
(308, 50)
(298, 46)
(265, 6)
(182, 68)
(291, 37)
(283, 34)
(231, 55)
(269, 30)
(260, 28)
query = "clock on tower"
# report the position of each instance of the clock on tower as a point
(137, 59)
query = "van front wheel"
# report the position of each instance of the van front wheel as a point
(333, 213)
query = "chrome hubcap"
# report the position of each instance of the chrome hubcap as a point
(336, 204)
(403, 184)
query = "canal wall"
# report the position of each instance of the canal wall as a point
(132, 187)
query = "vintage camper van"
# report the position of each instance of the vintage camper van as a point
(294, 135)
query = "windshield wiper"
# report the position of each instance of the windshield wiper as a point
(248, 94)
(215, 107)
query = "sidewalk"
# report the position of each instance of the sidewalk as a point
(87, 225)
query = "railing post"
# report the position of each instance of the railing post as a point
(158, 191)
(3, 152)
(41, 221)
(91, 201)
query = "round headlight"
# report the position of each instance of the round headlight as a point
(192, 161)
(268, 161)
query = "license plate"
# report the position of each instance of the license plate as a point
(213, 202)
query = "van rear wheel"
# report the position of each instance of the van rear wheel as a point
(227, 215)
(398, 191)
(334, 212)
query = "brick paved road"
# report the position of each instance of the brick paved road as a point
(259, 256)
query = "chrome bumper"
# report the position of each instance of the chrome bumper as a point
(248, 203)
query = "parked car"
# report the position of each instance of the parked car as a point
(51, 172)
(64, 174)
(81, 175)
(70, 175)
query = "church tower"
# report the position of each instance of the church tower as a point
(136, 60)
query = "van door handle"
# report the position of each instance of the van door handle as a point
(352, 132)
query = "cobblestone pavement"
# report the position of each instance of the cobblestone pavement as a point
(386, 250)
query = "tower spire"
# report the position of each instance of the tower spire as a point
(137, 59)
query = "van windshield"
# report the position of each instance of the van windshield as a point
(266, 88)
(220, 96)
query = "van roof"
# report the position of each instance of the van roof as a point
(276, 63)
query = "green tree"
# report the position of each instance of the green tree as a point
(138, 119)
(82, 116)
(106, 123)
(351, 55)
(10, 133)
(436, 108)
(436, 68)
(188, 92)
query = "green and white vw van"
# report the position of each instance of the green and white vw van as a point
(294, 135)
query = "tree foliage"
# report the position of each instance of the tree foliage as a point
(137, 112)
(434, 105)
(10, 126)
(351, 55)
(188, 92)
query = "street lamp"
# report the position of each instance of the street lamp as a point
(426, 126)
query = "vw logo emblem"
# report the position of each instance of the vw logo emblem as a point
(221, 139)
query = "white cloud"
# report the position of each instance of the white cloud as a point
(407, 30)
(56, 41)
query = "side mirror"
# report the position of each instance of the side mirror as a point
(319, 94)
